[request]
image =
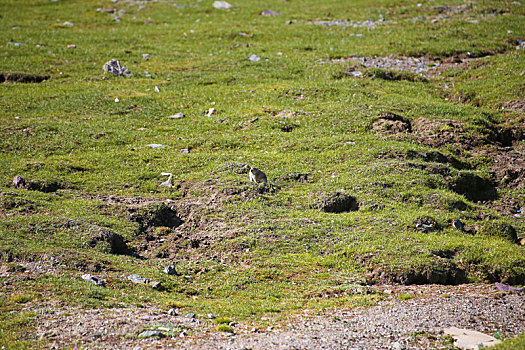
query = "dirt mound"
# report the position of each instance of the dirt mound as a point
(391, 123)
(108, 242)
(336, 202)
(438, 133)
(156, 215)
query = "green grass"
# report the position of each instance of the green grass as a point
(243, 253)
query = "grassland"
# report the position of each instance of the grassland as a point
(246, 251)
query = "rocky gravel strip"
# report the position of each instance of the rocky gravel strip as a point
(394, 324)
(409, 317)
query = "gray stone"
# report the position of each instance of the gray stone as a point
(254, 58)
(172, 312)
(114, 67)
(138, 279)
(170, 270)
(151, 334)
(156, 285)
(146, 56)
(191, 315)
(93, 279)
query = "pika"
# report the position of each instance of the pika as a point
(257, 176)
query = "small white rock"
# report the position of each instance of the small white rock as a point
(117, 99)
(157, 89)
(211, 112)
(177, 116)
(222, 5)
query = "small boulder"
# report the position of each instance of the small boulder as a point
(170, 270)
(93, 279)
(116, 68)
(19, 182)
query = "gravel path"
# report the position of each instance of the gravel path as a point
(415, 323)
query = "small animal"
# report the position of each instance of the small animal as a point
(167, 183)
(257, 176)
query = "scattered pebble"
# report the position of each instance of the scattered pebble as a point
(72, 46)
(185, 150)
(191, 315)
(157, 89)
(68, 24)
(254, 58)
(155, 145)
(117, 100)
(146, 56)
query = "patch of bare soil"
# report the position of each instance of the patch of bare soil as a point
(438, 133)
(517, 105)
(416, 322)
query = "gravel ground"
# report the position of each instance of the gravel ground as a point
(416, 323)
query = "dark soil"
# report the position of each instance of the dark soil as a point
(22, 78)
(473, 186)
(46, 186)
(114, 240)
(158, 215)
